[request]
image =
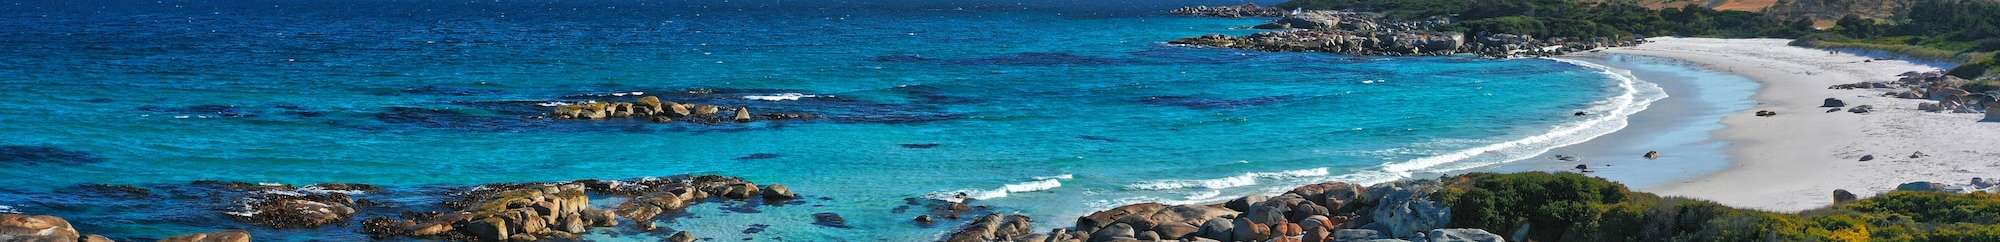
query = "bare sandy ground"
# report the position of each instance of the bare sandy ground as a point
(1793, 161)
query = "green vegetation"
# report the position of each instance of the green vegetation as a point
(1573, 207)
(1964, 31)
(1573, 19)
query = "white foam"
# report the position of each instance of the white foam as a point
(1040, 183)
(779, 97)
(1636, 96)
(1244, 179)
(1209, 196)
(1064, 176)
(1203, 195)
(315, 189)
(1108, 204)
(8, 209)
(244, 209)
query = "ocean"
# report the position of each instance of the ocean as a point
(1045, 108)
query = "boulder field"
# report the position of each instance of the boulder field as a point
(1325, 212)
(494, 212)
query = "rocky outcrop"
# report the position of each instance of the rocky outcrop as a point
(44, 228)
(1992, 111)
(506, 212)
(1948, 91)
(1238, 11)
(1368, 34)
(38, 228)
(1930, 107)
(283, 207)
(1405, 208)
(1832, 103)
(1843, 196)
(562, 210)
(650, 108)
(221, 236)
(1462, 235)
(1922, 187)
(995, 227)
(1323, 212)
(1322, 20)
(1339, 41)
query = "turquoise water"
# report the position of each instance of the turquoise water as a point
(1047, 108)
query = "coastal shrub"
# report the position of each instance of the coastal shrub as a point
(1551, 204)
(1932, 207)
(1574, 207)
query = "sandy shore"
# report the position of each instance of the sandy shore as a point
(1793, 161)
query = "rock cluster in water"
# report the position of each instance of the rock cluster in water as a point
(536, 211)
(286, 207)
(494, 212)
(1335, 211)
(44, 228)
(1359, 33)
(653, 109)
(1238, 11)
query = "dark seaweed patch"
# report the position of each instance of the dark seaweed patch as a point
(899, 119)
(829, 220)
(448, 119)
(1163, 54)
(759, 156)
(741, 207)
(448, 91)
(920, 146)
(927, 94)
(899, 58)
(217, 110)
(20, 154)
(755, 228)
(1211, 103)
(109, 190)
(1040, 59)
(1097, 138)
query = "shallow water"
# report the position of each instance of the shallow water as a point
(1681, 127)
(1047, 108)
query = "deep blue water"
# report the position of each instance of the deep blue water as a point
(1048, 108)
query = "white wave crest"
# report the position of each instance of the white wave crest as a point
(1244, 179)
(1210, 196)
(1040, 183)
(1635, 96)
(779, 97)
(1612, 115)
(8, 209)
(1064, 176)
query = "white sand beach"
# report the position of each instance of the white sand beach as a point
(1794, 160)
